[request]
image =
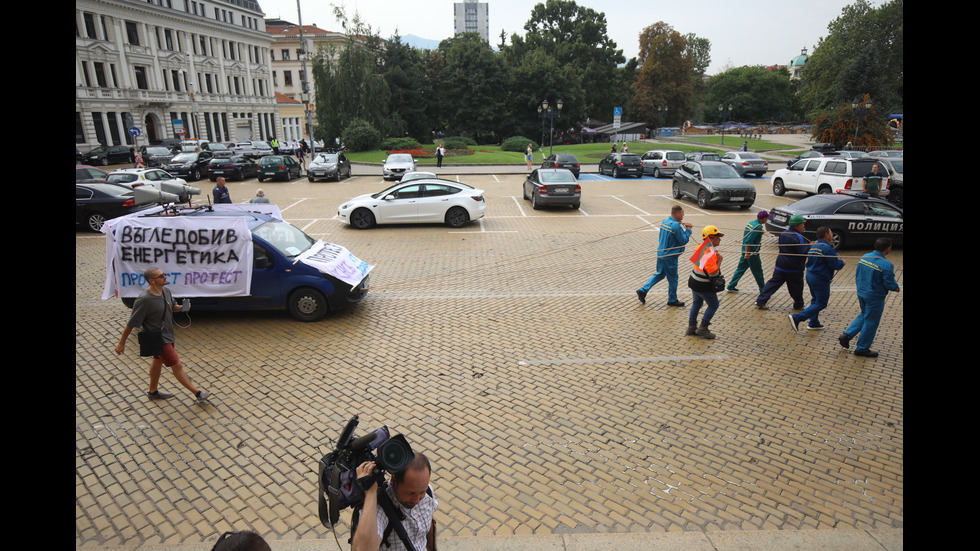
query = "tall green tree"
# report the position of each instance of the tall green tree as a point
(402, 71)
(576, 37)
(348, 85)
(862, 54)
(700, 51)
(473, 101)
(755, 94)
(664, 76)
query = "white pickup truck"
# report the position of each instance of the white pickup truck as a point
(827, 175)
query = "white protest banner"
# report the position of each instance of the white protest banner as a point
(202, 256)
(337, 261)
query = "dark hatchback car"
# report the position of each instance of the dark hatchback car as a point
(552, 186)
(279, 167)
(97, 202)
(234, 168)
(563, 160)
(192, 165)
(621, 164)
(712, 183)
(854, 219)
(109, 155)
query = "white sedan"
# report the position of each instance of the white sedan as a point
(416, 201)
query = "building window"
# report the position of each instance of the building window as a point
(90, 26)
(285, 54)
(141, 81)
(132, 33)
(287, 78)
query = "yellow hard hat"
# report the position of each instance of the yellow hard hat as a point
(711, 230)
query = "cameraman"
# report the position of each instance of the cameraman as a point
(409, 491)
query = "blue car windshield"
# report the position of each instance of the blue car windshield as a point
(286, 238)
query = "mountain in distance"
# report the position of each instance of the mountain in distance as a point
(425, 43)
(419, 42)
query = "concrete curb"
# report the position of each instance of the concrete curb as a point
(762, 540)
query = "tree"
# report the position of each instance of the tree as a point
(664, 76)
(755, 93)
(402, 72)
(471, 100)
(576, 38)
(700, 52)
(348, 82)
(862, 54)
(846, 123)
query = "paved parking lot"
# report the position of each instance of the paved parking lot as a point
(515, 354)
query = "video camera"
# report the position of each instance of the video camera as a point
(339, 487)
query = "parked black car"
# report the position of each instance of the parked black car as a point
(109, 155)
(155, 155)
(563, 160)
(236, 168)
(853, 219)
(191, 164)
(97, 202)
(622, 164)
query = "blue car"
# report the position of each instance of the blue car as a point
(279, 282)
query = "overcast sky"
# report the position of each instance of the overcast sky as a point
(750, 32)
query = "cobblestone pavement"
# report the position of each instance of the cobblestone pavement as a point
(515, 354)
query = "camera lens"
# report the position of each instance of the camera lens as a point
(395, 454)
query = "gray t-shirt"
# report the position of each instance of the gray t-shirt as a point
(154, 312)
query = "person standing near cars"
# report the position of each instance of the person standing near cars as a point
(673, 236)
(822, 261)
(872, 182)
(707, 266)
(875, 277)
(528, 156)
(750, 259)
(790, 265)
(440, 153)
(221, 193)
(154, 311)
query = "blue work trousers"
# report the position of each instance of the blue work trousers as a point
(866, 324)
(666, 268)
(819, 298)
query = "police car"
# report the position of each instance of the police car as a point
(855, 219)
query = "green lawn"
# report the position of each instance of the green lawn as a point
(490, 154)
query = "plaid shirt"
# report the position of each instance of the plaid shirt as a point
(417, 521)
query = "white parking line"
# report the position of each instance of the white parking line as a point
(625, 360)
(628, 203)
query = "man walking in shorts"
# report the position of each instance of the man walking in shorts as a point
(154, 310)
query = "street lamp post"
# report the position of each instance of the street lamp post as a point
(721, 109)
(546, 112)
(860, 107)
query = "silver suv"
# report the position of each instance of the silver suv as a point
(661, 162)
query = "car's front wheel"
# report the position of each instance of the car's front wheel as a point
(778, 188)
(457, 217)
(362, 219)
(307, 305)
(703, 198)
(836, 239)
